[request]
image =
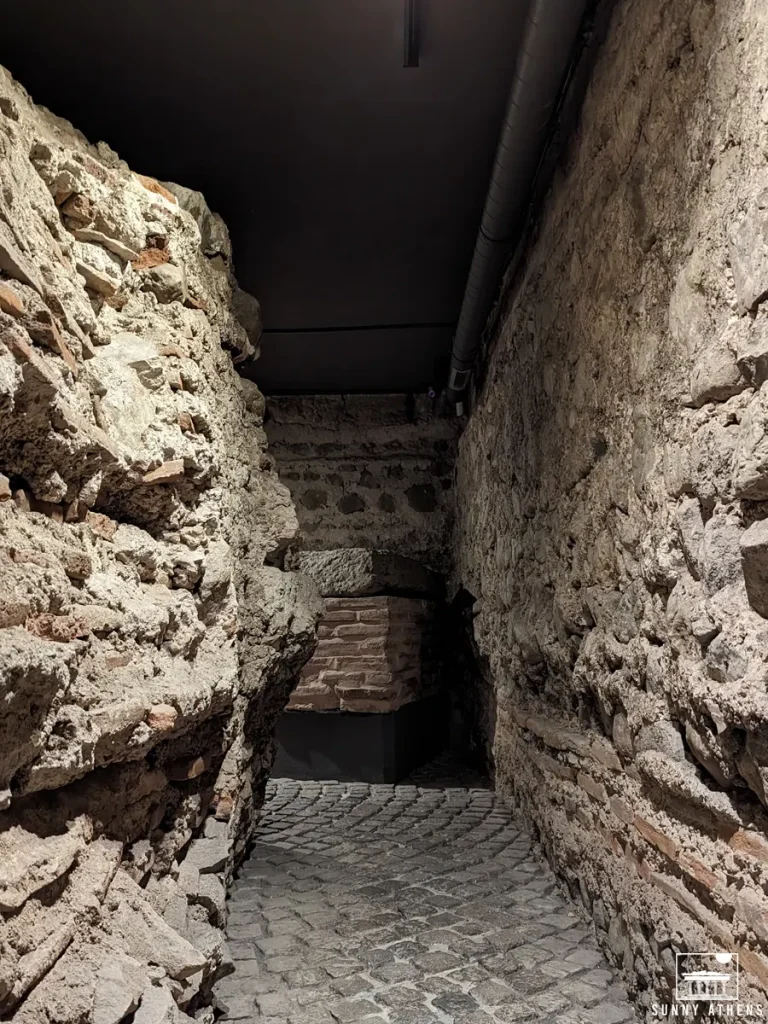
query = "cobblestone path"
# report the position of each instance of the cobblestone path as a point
(406, 905)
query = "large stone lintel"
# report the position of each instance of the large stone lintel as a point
(358, 572)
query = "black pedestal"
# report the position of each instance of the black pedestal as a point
(353, 747)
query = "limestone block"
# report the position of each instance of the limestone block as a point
(678, 779)
(158, 1007)
(167, 282)
(29, 862)
(116, 992)
(749, 340)
(720, 551)
(748, 250)
(750, 458)
(355, 572)
(715, 376)
(101, 269)
(754, 560)
(113, 244)
(690, 526)
(661, 736)
(145, 935)
(14, 262)
(140, 354)
(208, 855)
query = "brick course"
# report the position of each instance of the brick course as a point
(373, 654)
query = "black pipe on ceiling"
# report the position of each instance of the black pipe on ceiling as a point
(548, 41)
(411, 34)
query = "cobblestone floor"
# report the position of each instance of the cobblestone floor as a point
(408, 904)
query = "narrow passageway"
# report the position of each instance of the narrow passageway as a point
(419, 903)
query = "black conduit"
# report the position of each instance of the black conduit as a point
(548, 40)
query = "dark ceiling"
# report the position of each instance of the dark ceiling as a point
(352, 186)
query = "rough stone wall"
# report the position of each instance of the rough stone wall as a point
(612, 486)
(145, 648)
(374, 654)
(372, 471)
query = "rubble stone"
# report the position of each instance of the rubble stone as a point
(635, 327)
(139, 683)
(754, 557)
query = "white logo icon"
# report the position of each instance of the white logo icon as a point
(707, 977)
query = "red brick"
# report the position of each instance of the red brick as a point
(169, 472)
(357, 629)
(372, 643)
(656, 838)
(340, 615)
(61, 628)
(10, 302)
(335, 679)
(698, 871)
(378, 679)
(351, 692)
(377, 615)
(355, 663)
(328, 646)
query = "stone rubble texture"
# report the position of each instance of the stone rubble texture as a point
(145, 646)
(360, 572)
(407, 904)
(611, 486)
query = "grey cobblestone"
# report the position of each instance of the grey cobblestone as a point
(413, 904)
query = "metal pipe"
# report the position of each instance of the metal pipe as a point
(548, 40)
(411, 34)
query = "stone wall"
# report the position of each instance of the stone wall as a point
(370, 471)
(612, 486)
(374, 654)
(137, 507)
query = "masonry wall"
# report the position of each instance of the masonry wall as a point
(612, 487)
(145, 646)
(369, 471)
(374, 654)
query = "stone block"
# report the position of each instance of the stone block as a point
(749, 340)
(751, 844)
(748, 249)
(720, 554)
(29, 862)
(754, 563)
(356, 572)
(750, 456)
(715, 376)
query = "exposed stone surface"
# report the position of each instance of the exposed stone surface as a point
(374, 654)
(367, 471)
(407, 904)
(611, 485)
(358, 572)
(139, 687)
